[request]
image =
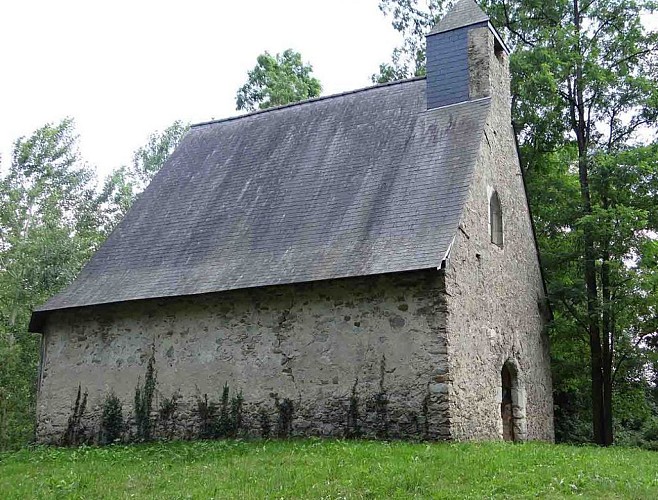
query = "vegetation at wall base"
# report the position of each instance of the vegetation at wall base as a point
(329, 469)
(112, 423)
(144, 401)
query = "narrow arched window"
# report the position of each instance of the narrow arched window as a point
(495, 220)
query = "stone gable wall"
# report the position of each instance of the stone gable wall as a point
(382, 337)
(494, 293)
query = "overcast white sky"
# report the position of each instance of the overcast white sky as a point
(123, 69)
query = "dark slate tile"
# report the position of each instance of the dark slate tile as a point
(361, 183)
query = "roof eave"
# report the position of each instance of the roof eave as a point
(39, 316)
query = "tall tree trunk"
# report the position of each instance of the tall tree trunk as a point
(581, 129)
(606, 334)
(606, 352)
(596, 355)
(3, 420)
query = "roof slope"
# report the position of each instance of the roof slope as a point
(463, 13)
(360, 183)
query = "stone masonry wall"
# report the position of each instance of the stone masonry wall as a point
(494, 294)
(312, 343)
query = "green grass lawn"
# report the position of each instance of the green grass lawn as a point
(329, 469)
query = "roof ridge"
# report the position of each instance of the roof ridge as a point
(308, 101)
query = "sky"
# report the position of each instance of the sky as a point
(124, 69)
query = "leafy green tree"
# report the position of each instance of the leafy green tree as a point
(148, 159)
(584, 90)
(47, 231)
(413, 21)
(586, 77)
(277, 80)
(119, 190)
(52, 218)
(117, 194)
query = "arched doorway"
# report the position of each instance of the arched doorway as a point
(506, 411)
(512, 404)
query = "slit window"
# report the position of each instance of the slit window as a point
(498, 50)
(495, 220)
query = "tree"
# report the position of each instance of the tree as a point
(584, 87)
(47, 232)
(277, 80)
(117, 194)
(120, 189)
(413, 22)
(148, 159)
(52, 218)
(597, 86)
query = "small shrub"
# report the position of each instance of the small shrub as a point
(112, 424)
(353, 430)
(265, 425)
(380, 403)
(284, 422)
(144, 401)
(224, 424)
(223, 420)
(236, 414)
(651, 431)
(206, 414)
(426, 416)
(75, 431)
(167, 415)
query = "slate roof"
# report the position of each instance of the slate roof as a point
(355, 184)
(463, 13)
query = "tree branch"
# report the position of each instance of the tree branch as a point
(627, 355)
(575, 315)
(508, 25)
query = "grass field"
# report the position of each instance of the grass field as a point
(329, 469)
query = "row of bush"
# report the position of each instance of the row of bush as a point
(214, 420)
(205, 418)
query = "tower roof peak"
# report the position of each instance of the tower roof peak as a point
(463, 13)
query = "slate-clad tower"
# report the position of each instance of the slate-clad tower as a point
(458, 56)
(365, 258)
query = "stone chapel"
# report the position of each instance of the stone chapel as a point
(360, 264)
